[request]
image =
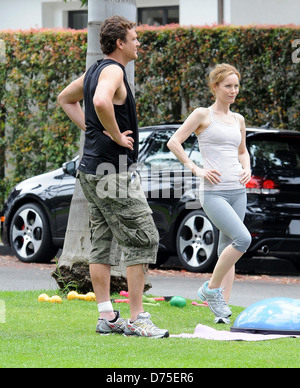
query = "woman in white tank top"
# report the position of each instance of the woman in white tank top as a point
(225, 173)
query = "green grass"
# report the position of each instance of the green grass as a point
(39, 335)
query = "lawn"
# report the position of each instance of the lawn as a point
(41, 335)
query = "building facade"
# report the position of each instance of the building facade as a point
(26, 14)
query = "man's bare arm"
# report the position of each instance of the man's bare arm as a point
(69, 100)
(109, 89)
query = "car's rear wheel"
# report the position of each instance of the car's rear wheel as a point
(30, 235)
(197, 241)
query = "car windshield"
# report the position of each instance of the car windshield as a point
(160, 157)
(143, 136)
(279, 154)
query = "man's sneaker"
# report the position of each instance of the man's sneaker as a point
(105, 326)
(144, 327)
(215, 300)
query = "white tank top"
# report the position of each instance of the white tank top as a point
(219, 145)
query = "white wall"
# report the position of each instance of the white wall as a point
(156, 3)
(55, 13)
(198, 12)
(26, 14)
(240, 12)
(20, 14)
(244, 12)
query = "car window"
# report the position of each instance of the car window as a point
(196, 156)
(160, 157)
(281, 154)
(143, 136)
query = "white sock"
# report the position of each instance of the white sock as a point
(105, 307)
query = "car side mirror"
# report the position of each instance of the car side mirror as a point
(69, 168)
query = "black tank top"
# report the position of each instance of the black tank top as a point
(100, 153)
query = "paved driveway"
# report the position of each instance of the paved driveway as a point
(247, 290)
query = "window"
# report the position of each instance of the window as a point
(196, 156)
(78, 20)
(283, 154)
(160, 157)
(143, 136)
(158, 16)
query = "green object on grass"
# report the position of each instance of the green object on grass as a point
(149, 300)
(178, 301)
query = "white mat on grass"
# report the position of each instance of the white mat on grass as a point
(206, 332)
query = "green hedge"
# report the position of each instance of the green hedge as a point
(174, 64)
(38, 135)
(171, 80)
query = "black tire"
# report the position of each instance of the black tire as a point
(197, 242)
(30, 235)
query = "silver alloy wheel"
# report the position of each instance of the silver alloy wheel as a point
(196, 242)
(27, 233)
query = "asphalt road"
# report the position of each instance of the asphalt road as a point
(248, 288)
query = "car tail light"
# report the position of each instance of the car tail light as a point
(254, 185)
(260, 185)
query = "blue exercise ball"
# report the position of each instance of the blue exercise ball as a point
(270, 316)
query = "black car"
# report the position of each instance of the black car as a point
(34, 218)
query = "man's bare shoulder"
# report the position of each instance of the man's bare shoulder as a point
(112, 71)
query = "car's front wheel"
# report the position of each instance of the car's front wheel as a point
(30, 235)
(197, 241)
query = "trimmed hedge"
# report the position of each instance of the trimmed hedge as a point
(171, 80)
(174, 63)
(39, 136)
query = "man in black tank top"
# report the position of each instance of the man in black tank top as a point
(98, 147)
(120, 216)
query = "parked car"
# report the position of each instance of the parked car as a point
(34, 218)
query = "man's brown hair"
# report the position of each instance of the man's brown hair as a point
(111, 30)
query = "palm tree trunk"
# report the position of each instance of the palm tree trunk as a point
(72, 270)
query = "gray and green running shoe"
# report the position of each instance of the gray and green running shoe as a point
(117, 326)
(215, 300)
(144, 327)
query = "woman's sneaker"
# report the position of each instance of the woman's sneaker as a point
(215, 300)
(117, 326)
(144, 327)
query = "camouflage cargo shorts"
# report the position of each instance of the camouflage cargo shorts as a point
(120, 219)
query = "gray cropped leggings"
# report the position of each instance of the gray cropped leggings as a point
(226, 210)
